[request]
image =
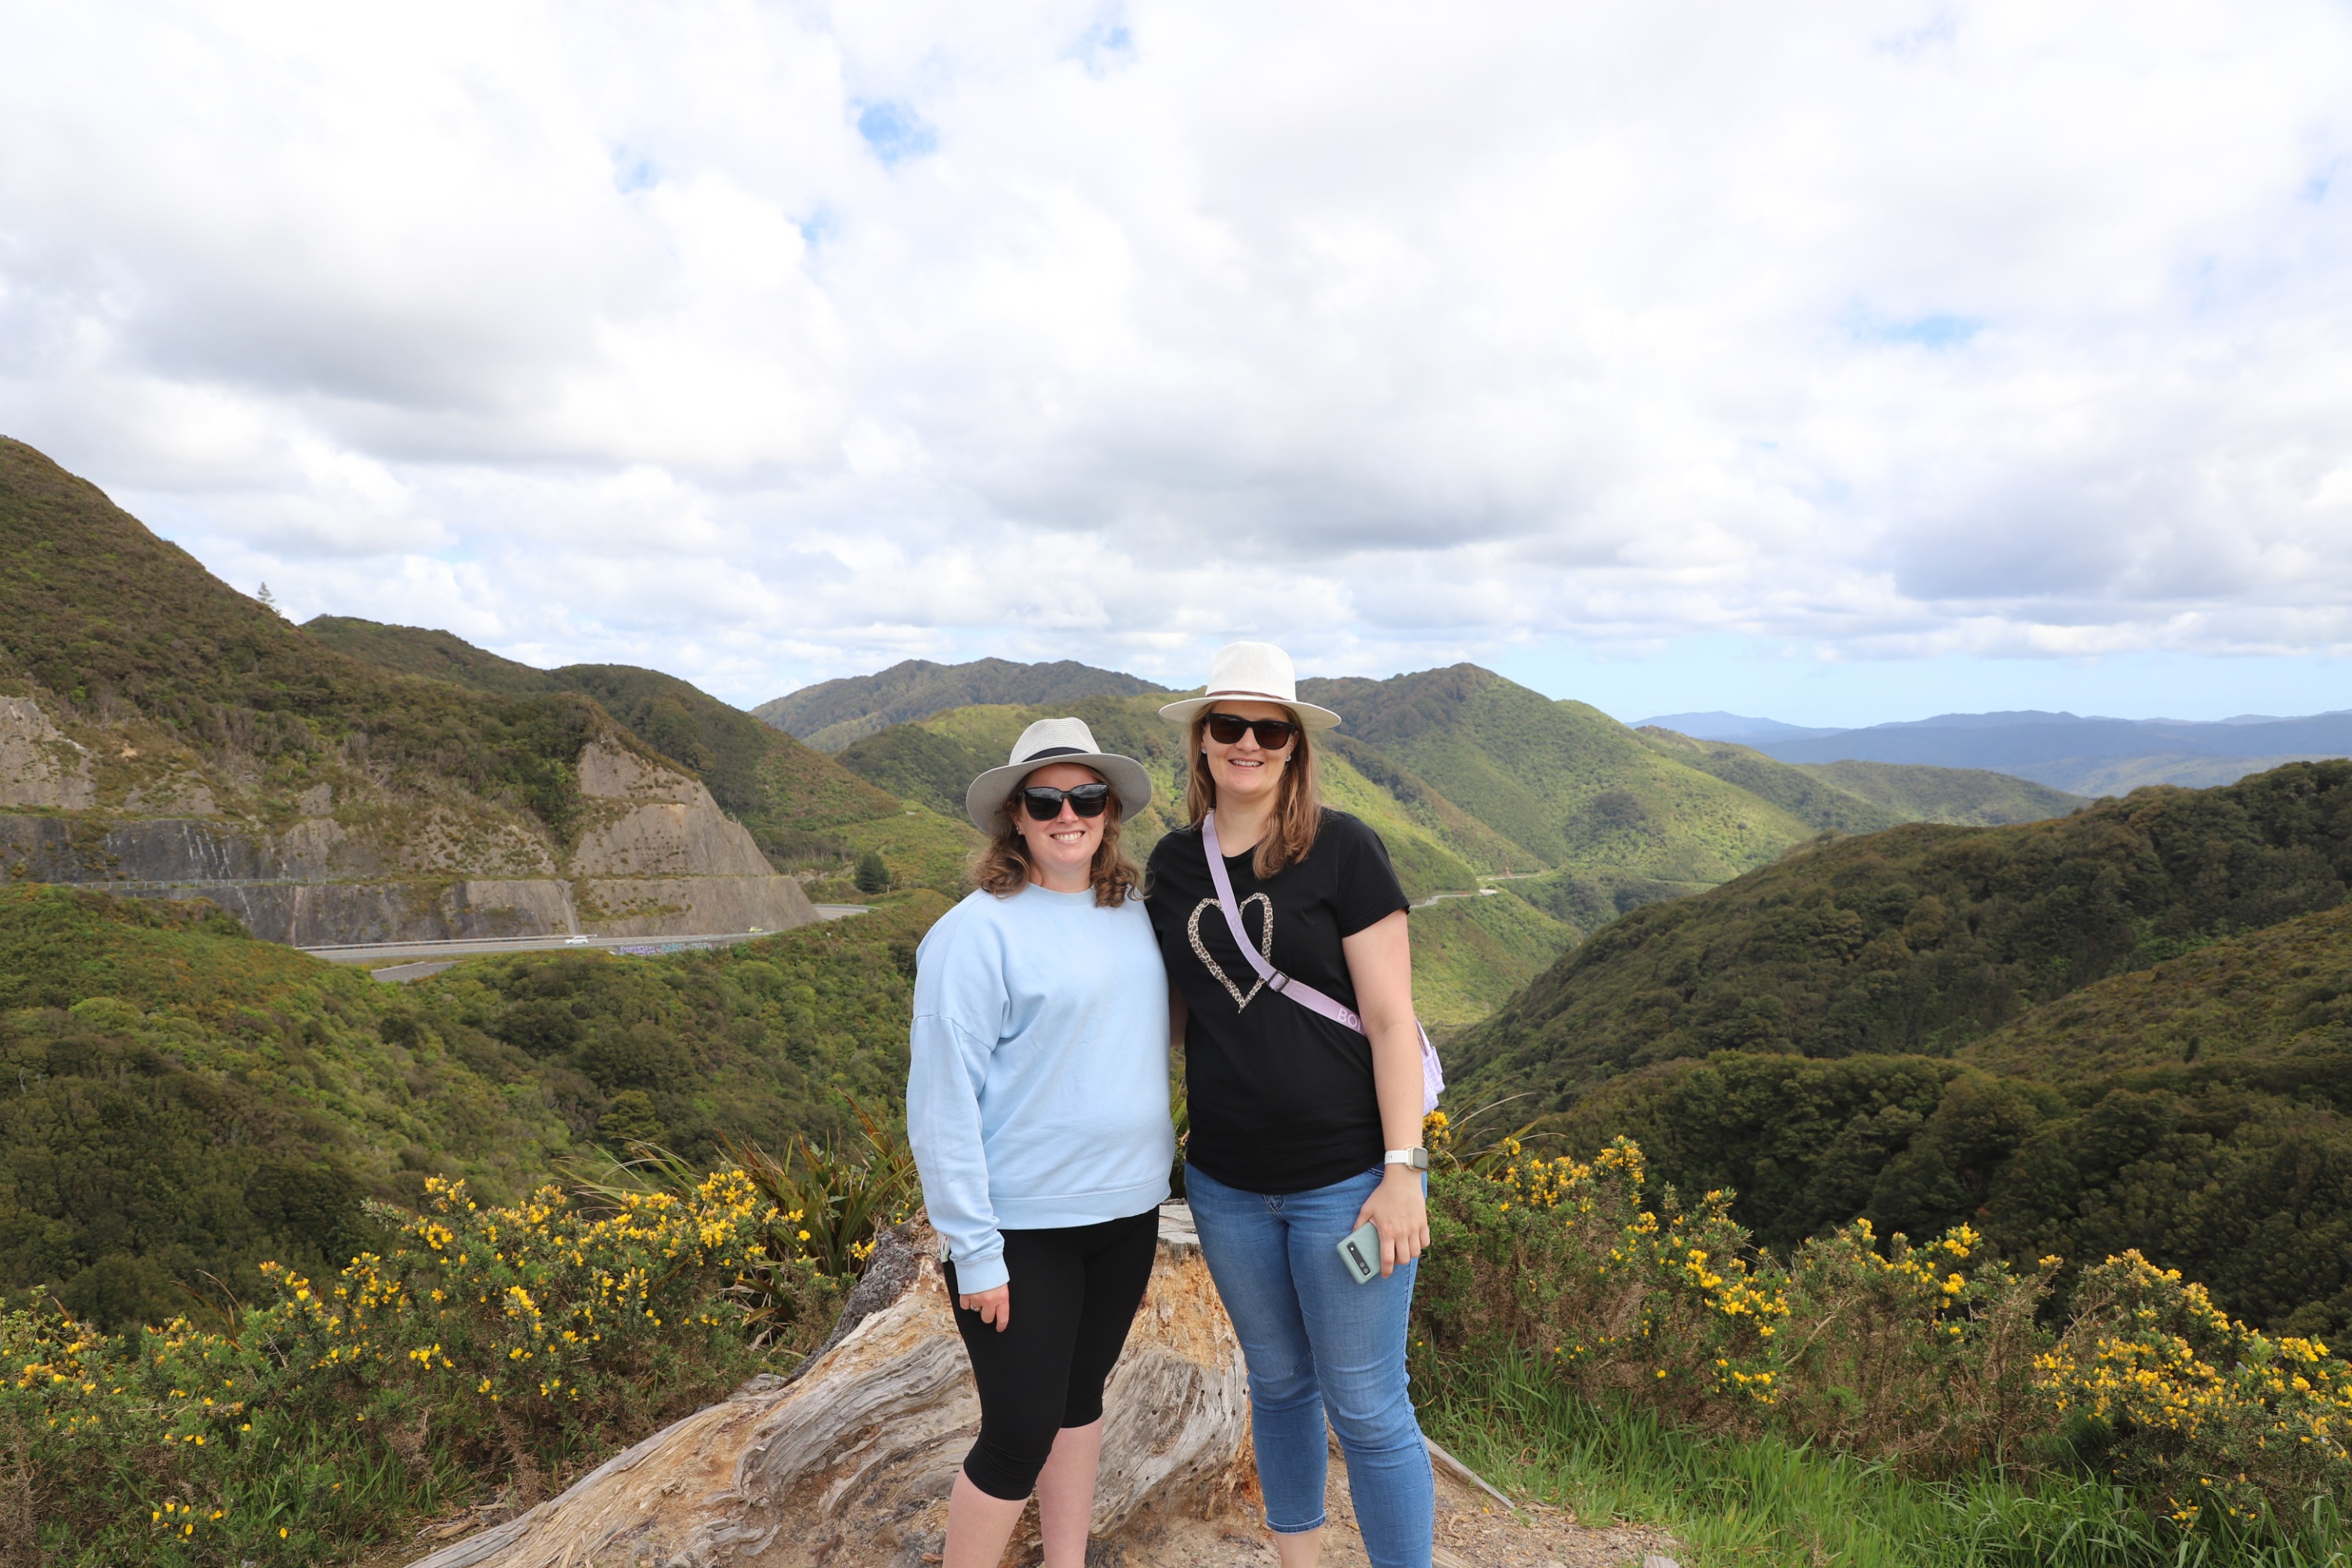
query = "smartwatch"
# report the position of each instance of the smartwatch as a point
(1418, 1159)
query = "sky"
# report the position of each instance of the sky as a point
(1839, 363)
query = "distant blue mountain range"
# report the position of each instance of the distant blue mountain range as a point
(1736, 727)
(2065, 751)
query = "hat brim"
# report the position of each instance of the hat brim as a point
(1308, 715)
(992, 788)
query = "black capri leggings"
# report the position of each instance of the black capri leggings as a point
(1075, 1293)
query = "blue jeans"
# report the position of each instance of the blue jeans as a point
(1319, 1345)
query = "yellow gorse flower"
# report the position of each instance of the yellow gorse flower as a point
(469, 1304)
(1621, 1289)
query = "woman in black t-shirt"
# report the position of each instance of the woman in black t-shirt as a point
(1302, 1127)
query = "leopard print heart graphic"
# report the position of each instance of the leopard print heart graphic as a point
(1265, 944)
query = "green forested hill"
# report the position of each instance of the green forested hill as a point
(925, 763)
(1924, 938)
(1564, 783)
(1971, 797)
(802, 807)
(2199, 1110)
(421, 650)
(2122, 1028)
(1444, 820)
(126, 638)
(1815, 802)
(185, 1100)
(832, 713)
(2262, 1008)
(795, 801)
(174, 694)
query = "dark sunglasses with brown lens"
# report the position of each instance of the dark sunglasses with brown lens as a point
(1043, 805)
(1274, 735)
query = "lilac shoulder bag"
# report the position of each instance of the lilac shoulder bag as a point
(1433, 1076)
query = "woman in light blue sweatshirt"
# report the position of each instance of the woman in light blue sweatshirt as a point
(1037, 1105)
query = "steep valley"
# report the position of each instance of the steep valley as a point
(1560, 812)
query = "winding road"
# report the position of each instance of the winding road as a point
(1481, 893)
(415, 959)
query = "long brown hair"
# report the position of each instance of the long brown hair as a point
(1298, 804)
(1002, 865)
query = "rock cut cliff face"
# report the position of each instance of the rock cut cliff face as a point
(653, 821)
(38, 766)
(654, 856)
(661, 858)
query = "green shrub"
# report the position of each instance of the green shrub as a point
(1572, 1263)
(185, 1101)
(483, 1344)
(2194, 1408)
(1929, 1357)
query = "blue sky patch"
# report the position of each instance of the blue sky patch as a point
(632, 171)
(896, 131)
(1107, 45)
(1938, 331)
(817, 228)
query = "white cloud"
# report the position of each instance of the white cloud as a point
(763, 342)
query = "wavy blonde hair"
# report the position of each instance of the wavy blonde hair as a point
(1297, 802)
(1000, 865)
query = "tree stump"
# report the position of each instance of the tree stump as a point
(848, 1463)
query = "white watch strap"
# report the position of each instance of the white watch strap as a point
(1397, 1157)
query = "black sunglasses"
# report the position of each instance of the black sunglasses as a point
(1043, 805)
(1274, 735)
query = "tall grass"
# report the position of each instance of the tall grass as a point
(1766, 1500)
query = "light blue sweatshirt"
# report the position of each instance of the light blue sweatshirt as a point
(1037, 1091)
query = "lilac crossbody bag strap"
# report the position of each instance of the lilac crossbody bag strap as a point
(1433, 1076)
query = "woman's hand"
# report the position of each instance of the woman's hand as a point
(1380, 966)
(1400, 1209)
(996, 1305)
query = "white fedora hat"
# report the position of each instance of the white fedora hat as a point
(1252, 672)
(1043, 743)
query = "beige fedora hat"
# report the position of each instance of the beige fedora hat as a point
(1047, 741)
(1252, 672)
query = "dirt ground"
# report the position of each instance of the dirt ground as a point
(1474, 1531)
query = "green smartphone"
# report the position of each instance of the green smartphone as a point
(1360, 1252)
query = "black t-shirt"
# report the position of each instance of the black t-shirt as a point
(1282, 1098)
